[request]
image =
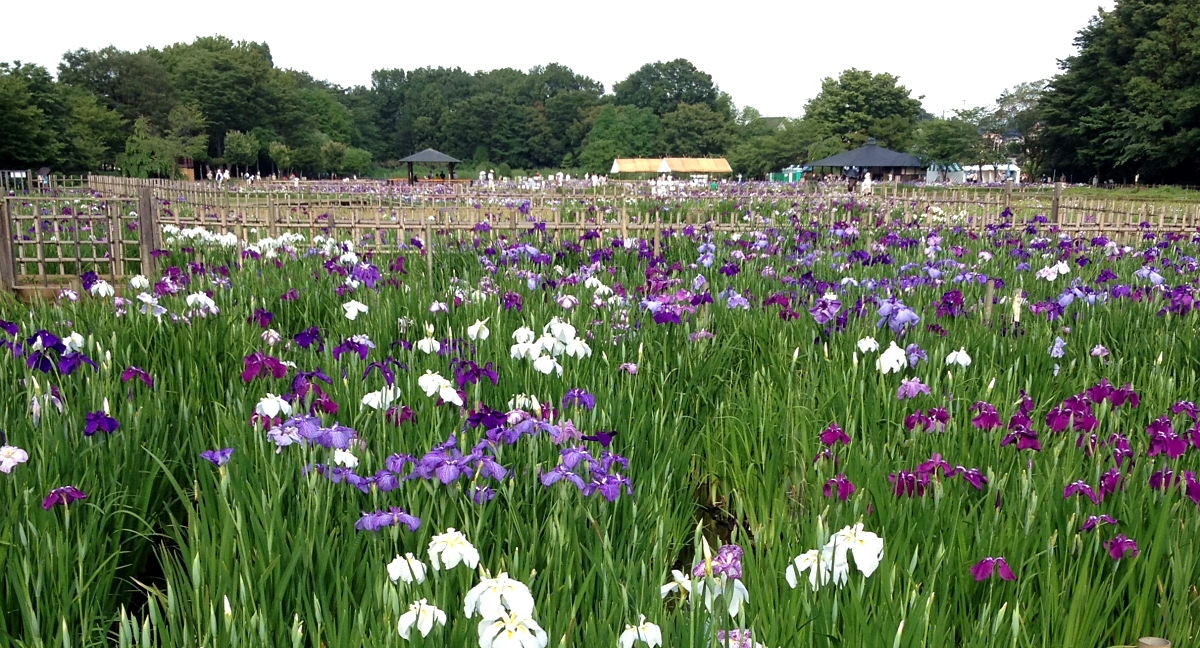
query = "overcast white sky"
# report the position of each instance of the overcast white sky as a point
(769, 55)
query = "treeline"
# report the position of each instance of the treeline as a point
(1126, 104)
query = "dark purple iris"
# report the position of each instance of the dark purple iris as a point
(217, 457)
(69, 362)
(261, 317)
(511, 300)
(399, 414)
(308, 337)
(62, 495)
(88, 279)
(99, 421)
(290, 295)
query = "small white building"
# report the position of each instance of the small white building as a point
(993, 173)
(945, 173)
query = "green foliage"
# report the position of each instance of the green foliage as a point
(148, 155)
(281, 155)
(661, 87)
(241, 149)
(694, 130)
(1128, 101)
(25, 138)
(620, 131)
(858, 105)
(944, 142)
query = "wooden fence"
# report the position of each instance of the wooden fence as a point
(113, 226)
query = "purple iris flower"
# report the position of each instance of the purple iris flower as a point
(911, 388)
(261, 317)
(389, 376)
(825, 309)
(1057, 349)
(908, 483)
(915, 354)
(217, 457)
(69, 362)
(579, 398)
(1080, 487)
(386, 481)
(1163, 439)
(1096, 520)
(10, 328)
(97, 421)
(561, 472)
(140, 374)
(366, 274)
(290, 295)
(1121, 546)
(397, 414)
(1162, 479)
(377, 520)
(833, 434)
(972, 476)
(62, 495)
(482, 494)
(896, 315)
(308, 337)
(729, 269)
(986, 417)
(258, 362)
(356, 344)
(1024, 438)
(727, 561)
(1186, 407)
(88, 279)
(510, 301)
(839, 486)
(603, 437)
(984, 568)
(609, 486)
(467, 372)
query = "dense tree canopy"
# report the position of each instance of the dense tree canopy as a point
(1129, 101)
(225, 104)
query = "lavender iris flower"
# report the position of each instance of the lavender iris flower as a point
(915, 354)
(911, 388)
(825, 309)
(1057, 349)
(217, 457)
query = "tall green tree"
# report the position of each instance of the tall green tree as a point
(241, 149)
(858, 105)
(944, 142)
(695, 130)
(661, 87)
(620, 131)
(1128, 102)
(26, 139)
(134, 84)
(147, 154)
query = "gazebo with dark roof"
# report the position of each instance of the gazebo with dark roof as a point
(876, 159)
(429, 156)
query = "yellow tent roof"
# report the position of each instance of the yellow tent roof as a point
(670, 165)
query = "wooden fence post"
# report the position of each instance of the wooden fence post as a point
(147, 230)
(1056, 204)
(8, 270)
(1008, 194)
(989, 295)
(1153, 642)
